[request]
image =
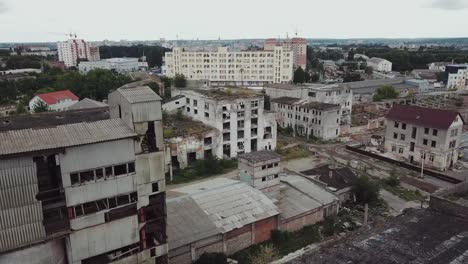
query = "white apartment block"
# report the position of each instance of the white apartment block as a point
(73, 50)
(379, 64)
(416, 134)
(308, 118)
(237, 68)
(329, 94)
(457, 76)
(118, 65)
(238, 114)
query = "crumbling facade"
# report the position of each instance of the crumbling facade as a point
(238, 114)
(87, 192)
(306, 118)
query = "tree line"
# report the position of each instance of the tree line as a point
(95, 85)
(154, 54)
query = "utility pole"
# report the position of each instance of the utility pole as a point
(423, 160)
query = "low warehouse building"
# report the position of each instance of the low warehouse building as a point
(231, 216)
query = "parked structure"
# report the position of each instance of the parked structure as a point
(231, 216)
(306, 118)
(74, 50)
(118, 65)
(68, 183)
(56, 101)
(424, 135)
(379, 64)
(456, 76)
(298, 47)
(238, 114)
(224, 67)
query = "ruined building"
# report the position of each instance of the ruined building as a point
(80, 188)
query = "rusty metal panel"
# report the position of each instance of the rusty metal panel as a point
(28, 140)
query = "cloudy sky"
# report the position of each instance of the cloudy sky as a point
(49, 20)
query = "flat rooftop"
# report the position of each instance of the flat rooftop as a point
(260, 156)
(227, 93)
(175, 126)
(417, 236)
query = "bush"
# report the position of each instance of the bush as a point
(366, 190)
(211, 258)
(267, 254)
(392, 181)
(278, 237)
(180, 81)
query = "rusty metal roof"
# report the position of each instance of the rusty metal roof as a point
(139, 94)
(29, 140)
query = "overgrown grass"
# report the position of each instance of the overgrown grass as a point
(405, 194)
(202, 169)
(286, 242)
(296, 152)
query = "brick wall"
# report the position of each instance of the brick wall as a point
(263, 229)
(211, 248)
(238, 243)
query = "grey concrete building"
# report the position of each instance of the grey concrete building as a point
(330, 94)
(423, 135)
(81, 188)
(238, 114)
(308, 118)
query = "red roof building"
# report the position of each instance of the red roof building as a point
(57, 101)
(421, 116)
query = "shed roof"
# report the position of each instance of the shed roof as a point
(187, 222)
(260, 156)
(87, 103)
(55, 97)
(29, 140)
(340, 178)
(421, 116)
(230, 204)
(139, 94)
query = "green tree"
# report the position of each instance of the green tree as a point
(366, 190)
(369, 70)
(40, 107)
(21, 109)
(299, 75)
(155, 87)
(386, 92)
(180, 81)
(315, 77)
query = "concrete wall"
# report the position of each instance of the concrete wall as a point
(51, 252)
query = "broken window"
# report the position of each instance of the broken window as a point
(148, 144)
(75, 179)
(120, 169)
(208, 140)
(155, 187)
(99, 174)
(131, 167)
(87, 176)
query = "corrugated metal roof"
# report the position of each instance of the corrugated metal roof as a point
(313, 190)
(231, 204)
(139, 94)
(187, 222)
(28, 140)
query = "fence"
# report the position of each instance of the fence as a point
(405, 165)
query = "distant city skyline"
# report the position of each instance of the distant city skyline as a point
(51, 20)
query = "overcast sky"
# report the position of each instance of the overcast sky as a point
(49, 20)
